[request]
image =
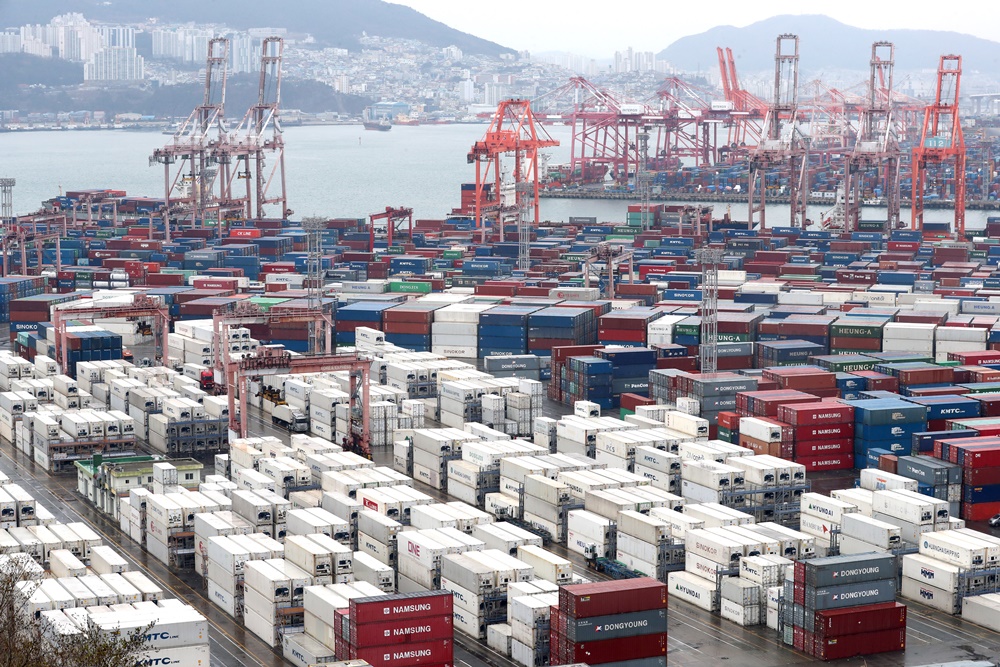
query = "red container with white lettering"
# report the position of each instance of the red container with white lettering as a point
(406, 655)
(400, 607)
(393, 632)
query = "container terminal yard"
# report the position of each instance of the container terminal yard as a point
(488, 440)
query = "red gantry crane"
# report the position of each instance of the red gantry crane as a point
(941, 144)
(141, 307)
(273, 361)
(392, 217)
(512, 132)
(746, 111)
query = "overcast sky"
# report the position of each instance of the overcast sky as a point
(598, 29)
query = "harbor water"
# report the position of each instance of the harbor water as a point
(336, 171)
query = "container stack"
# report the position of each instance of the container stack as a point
(821, 516)
(715, 393)
(361, 314)
(979, 458)
(556, 327)
(885, 426)
(610, 622)
(529, 621)
(856, 335)
(844, 606)
(399, 630)
(478, 583)
(627, 328)
(455, 331)
(503, 331)
(409, 325)
(420, 553)
(630, 370)
(821, 434)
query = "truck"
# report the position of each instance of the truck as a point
(205, 376)
(289, 418)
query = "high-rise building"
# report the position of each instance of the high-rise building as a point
(115, 63)
(74, 37)
(244, 53)
(117, 35)
(10, 42)
(467, 91)
(494, 93)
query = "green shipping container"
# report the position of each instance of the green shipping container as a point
(452, 254)
(410, 287)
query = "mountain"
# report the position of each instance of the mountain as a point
(337, 23)
(825, 43)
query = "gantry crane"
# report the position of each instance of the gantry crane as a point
(941, 143)
(783, 144)
(244, 313)
(877, 146)
(392, 217)
(273, 361)
(257, 139)
(188, 173)
(33, 232)
(141, 307)
(512, 132)
(747, 111)
(612, 256)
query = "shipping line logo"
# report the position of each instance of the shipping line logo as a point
(624, 625)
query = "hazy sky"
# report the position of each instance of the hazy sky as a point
(598, 29)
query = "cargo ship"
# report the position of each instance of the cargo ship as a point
(377, 124)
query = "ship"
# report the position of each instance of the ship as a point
(379, 125)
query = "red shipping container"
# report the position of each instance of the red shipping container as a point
(618, 650)
(403, 632)
(612, 597)
(860, 620)
(423, 653)
(823, 432)
(817, 413)
(981, 476)
(400, 608)
(979, 511)
(831, 462)
(869, 643)
(823, 448)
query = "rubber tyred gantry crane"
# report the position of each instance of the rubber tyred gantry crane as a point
(512, 132)
(141, 307)
(272, 361)
(244, 313)
(392, 217)
(941, 143)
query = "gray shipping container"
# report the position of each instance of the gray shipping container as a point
(851, 569)
(615, 626)
(929, 471)
(850, 595)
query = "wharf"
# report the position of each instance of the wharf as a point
(741, 198)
